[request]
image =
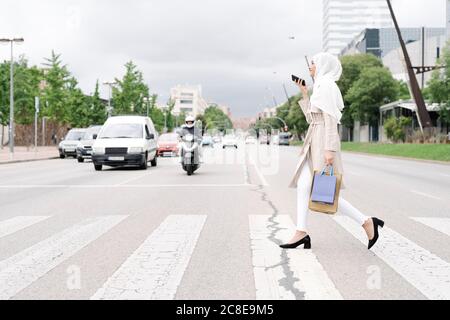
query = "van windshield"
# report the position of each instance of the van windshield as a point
(74, 135)
(122, 131)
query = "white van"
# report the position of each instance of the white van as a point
(125, 140)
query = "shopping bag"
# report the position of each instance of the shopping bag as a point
(325, 191)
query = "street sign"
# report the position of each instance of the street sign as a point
(36, 104)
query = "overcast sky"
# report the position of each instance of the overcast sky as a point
(238, 50)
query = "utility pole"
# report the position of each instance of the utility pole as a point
(36, 113)
(110, 85)
(422, 113)
(11, 93)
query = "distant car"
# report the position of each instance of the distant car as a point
(68, 147)
(84, 148)
(126, 141)
(217, 139)
(250, 140)
(275, 139)
(229, 141)
(264, 140)
(284, 139)
(168, 145)
(208, 141)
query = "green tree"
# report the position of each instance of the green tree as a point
(439, 86)
(129, 94)
(352, 67)
(57, 77)
(97, 108)
(214, 118)
(375, 87)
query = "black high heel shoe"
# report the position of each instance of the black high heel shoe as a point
(376, 223)
(306, 241)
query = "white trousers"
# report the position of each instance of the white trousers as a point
(303, 195)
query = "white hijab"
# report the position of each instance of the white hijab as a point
(326, 94)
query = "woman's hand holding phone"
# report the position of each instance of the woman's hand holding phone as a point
(301, 84)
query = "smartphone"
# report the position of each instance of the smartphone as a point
(298, 80)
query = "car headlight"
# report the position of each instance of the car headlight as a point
(98, 150)
(136, 150)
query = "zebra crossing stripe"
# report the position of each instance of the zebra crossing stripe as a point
(439, 224)
(155, 270)
(424, 270)
(27, 266)
(15, 224)
(285, 274)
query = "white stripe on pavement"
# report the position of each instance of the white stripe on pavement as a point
(155, 270)
(22, 269)
(15, 224)
(425, 195)
(112, 186)
(424, 270)
(271, 264)
(439, 224)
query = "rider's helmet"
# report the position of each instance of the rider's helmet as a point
(190, 121)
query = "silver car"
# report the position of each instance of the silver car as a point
(84, 148)
(68, 147)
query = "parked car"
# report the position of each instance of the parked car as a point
(285, 139)
(217, 139)
(68, 146)
(125, 141)
(84, 148)
(168, 145)
(208, 141)
(229, 141)
(250, 140)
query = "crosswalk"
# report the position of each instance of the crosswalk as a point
(155, 269)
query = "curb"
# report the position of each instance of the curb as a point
(447, 163)
(28, 160)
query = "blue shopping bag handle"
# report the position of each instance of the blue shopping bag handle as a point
(325, 169)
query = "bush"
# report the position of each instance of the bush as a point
(395, 128)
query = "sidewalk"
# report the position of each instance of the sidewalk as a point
(24, 154)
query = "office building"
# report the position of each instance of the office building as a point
(345, 19)
(188, 100)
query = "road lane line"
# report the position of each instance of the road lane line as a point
(309, 276)
(425, 195)
(132, 179)
(424, 270)
(24, 268)
(155, 270)
(439, 224)
(15, 224)
(258, 172)
(112, 186)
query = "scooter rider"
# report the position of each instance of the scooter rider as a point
(189, 128)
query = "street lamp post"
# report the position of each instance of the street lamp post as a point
(11, 92)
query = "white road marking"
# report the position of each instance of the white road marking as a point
(425, 195)
(133, 179)
(258, 172)
(439, 224)
(424, 270)
(155, 270)
(135, 186)
(311, 280)
(24, 268)
(15, 224)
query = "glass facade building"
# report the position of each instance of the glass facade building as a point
(380, 42)
(343, 20)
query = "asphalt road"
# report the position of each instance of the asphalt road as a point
(68, 232)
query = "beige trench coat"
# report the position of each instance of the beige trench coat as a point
(322, 135)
